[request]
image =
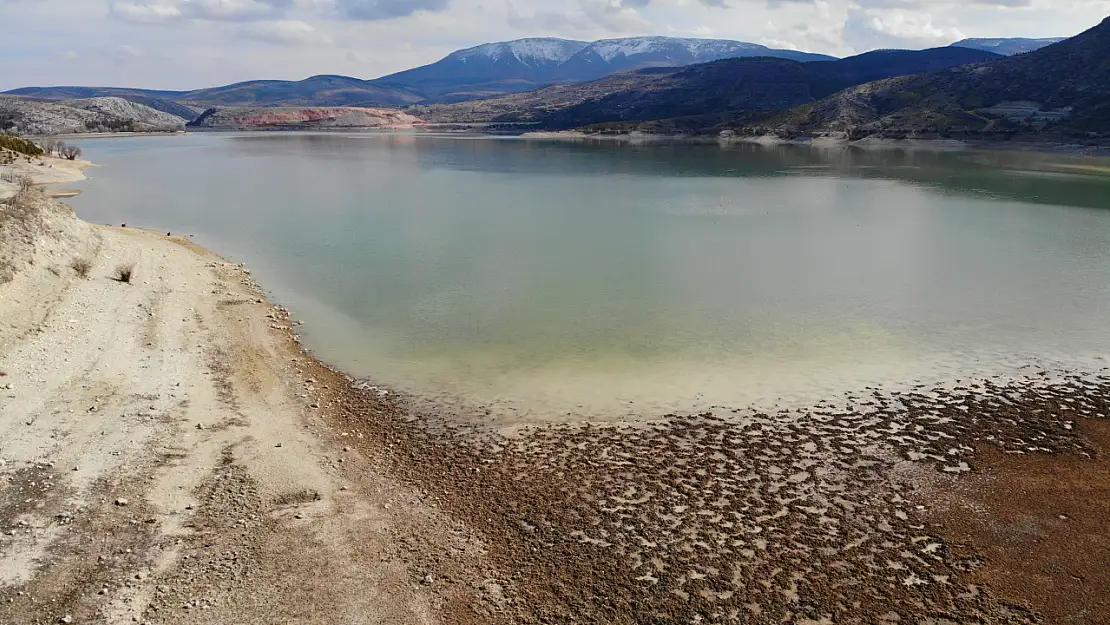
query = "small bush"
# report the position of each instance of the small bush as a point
(25, 192)
(124, 273)
(82, 266)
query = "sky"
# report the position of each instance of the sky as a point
(188, 44)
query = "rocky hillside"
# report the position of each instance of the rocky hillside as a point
(109, 114)
(1059, 93)
(294, 118)
(705, 94)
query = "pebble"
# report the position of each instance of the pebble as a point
(122, 501)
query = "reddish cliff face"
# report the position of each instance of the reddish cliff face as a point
(317, 117)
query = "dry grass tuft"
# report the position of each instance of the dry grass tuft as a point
(82, 266)
(124, 273)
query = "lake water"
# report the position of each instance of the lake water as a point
(539, 278)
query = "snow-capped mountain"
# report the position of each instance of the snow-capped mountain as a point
(511, 66)
(609, 56)
(488, 69)
(1007, 46)
(538, 52)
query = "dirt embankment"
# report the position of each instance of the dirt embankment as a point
(164, 456)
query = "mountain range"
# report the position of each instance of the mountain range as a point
(975, 88)
(720, 90)
(526, 64)
(483, 71)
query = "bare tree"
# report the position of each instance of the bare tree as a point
(52, 146)
(70, 152)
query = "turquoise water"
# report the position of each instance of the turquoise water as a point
(541, 278)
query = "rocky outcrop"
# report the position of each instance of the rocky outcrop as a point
(30, 117)
(141, 116)
(319, 117)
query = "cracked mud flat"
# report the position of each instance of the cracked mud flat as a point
(169, 455)
(844, 513)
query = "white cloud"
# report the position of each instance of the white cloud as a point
(870, 29)
(163, 11)
(210, 42)
(146, 12)
(286, 33)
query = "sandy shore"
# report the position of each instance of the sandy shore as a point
(170, 454)
(40, 169)
(165, 458)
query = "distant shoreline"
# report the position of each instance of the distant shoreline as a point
(824, 142)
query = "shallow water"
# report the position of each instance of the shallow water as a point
(546, 278)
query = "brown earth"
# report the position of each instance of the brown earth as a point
(1040, 523)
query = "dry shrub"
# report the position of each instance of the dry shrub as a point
(124, 273)
(82, 266)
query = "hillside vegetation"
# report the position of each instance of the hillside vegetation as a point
(1060, 92)
(699, 96)
(19, 145)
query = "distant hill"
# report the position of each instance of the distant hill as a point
(706, 94)
(526, 64)
(159, 100)
(314, 91)
(278, 117)
(1060, 92)
(1007, 46)
(108, 114)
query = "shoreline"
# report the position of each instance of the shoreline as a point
(232, 438)
(825, 142)
(641, 138)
